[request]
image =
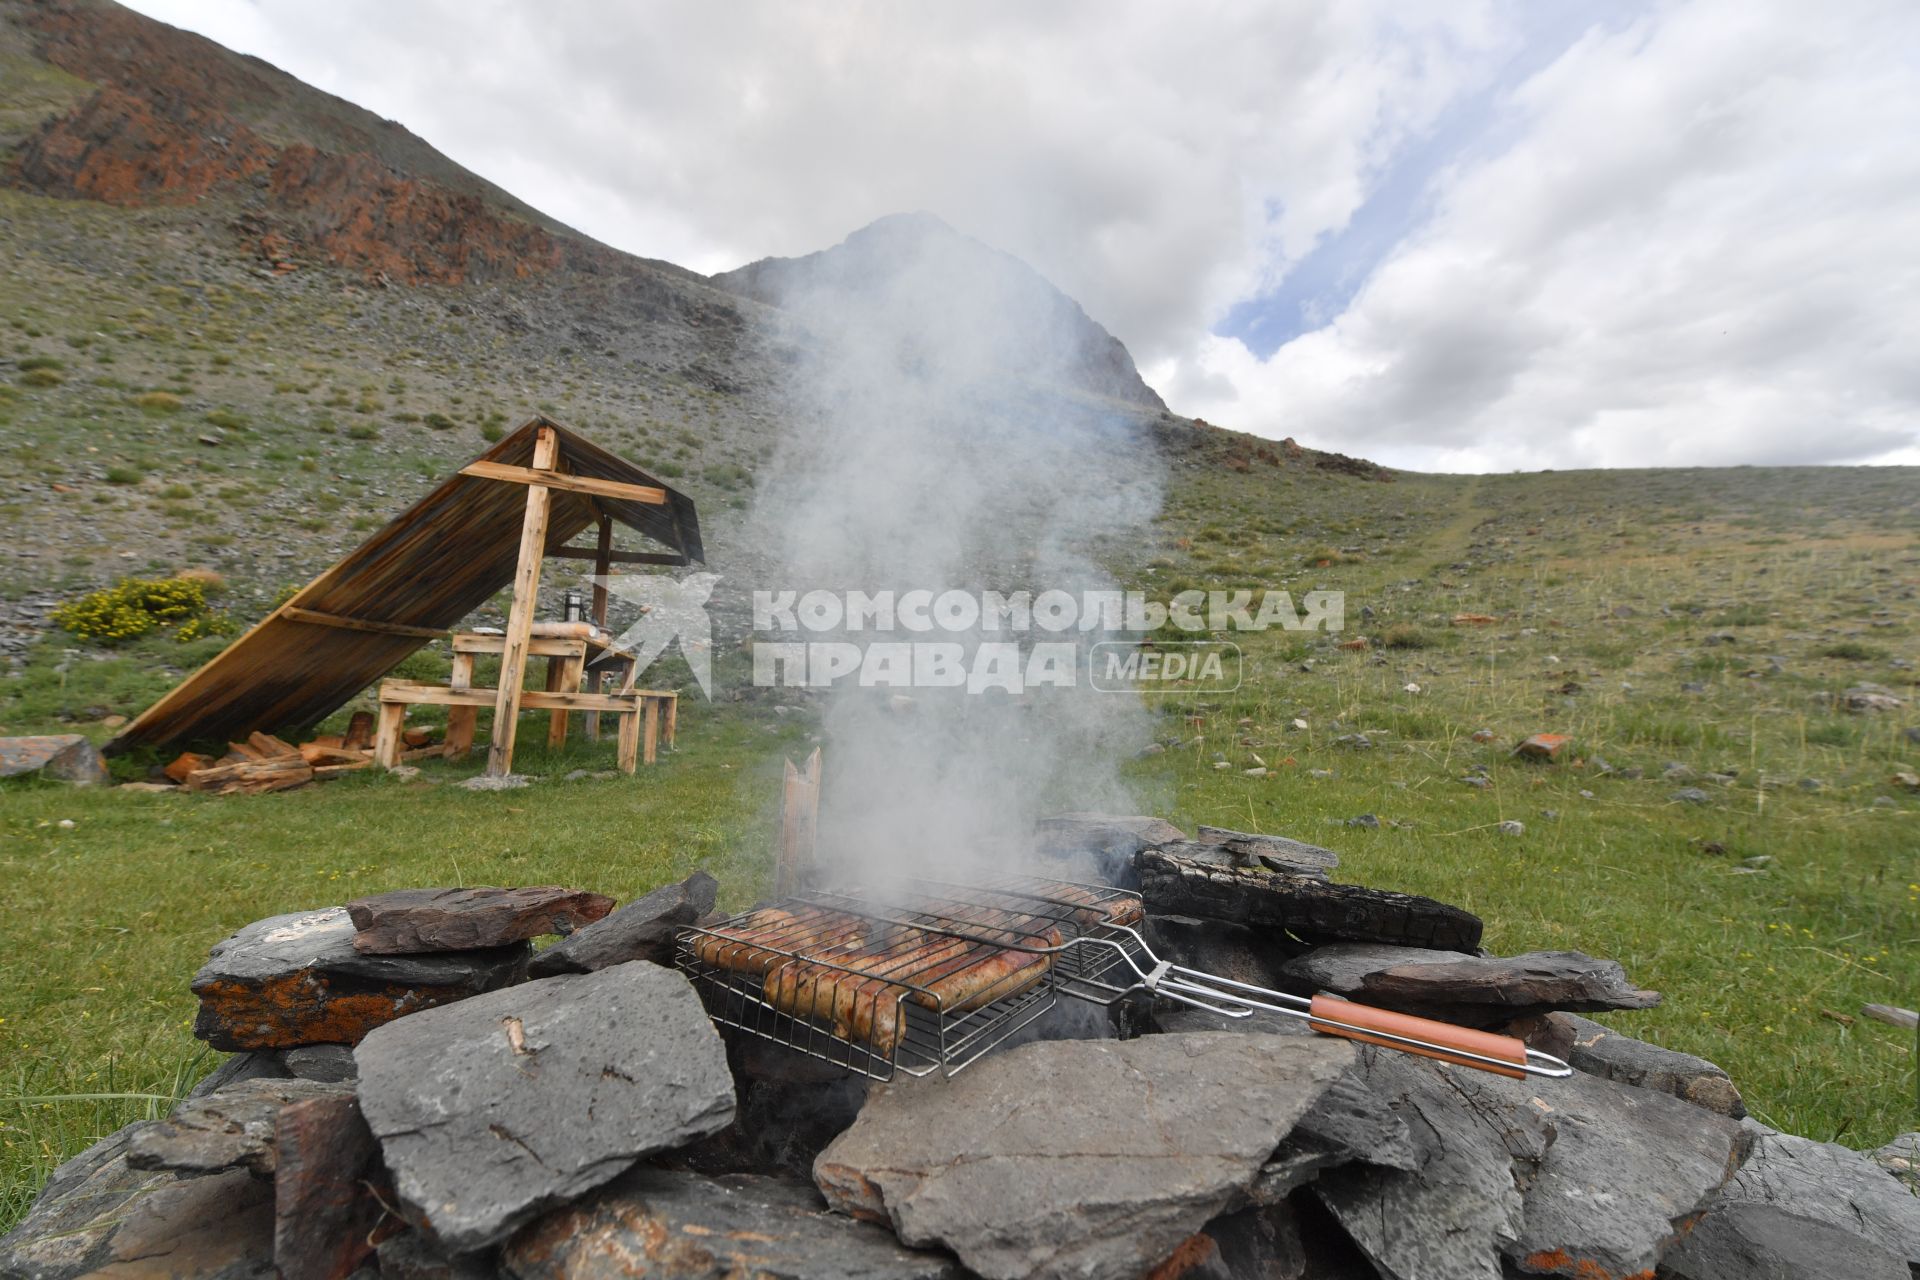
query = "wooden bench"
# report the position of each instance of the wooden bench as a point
(638, 711)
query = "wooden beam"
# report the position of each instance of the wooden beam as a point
(545, 477)
(618, 557)
(602, 564)
(526, 592)
(294, 613)
(406, 693)
(537, 647)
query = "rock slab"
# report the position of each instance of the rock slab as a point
(1482, 991)
(1077, 1159)
(1275, 853)
(98, 1217)
(494, 1109)
(644, 929)
(653, 1222)
(1799, 1208)
(1309, 907)
(297, 979)
(326, 1213)
(60, 757)
(1601, 1051)
(235, 1128)
(408, 921)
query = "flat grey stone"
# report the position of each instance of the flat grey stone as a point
(1275, 853)
(1601, 1051)
(1075, 1158)
(231, 1129)
(59, 757)
(97, 1216)
(1901, 1158)
(1479, 990)
(324, 1062)
(1476, 1141)
(1626, 1176)
(1800, 1208)
(494, 1109)
(644, 929)
(297, 980)
(653, 1222)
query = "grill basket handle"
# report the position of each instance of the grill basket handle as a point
(1333, 1016)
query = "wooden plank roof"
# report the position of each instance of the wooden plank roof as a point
(430, 567)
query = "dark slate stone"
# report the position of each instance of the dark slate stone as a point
(234, 1128)
(408, 921)
(325, 1213)
(97, 1216)
(1626, 1176)
(1088, 1159)
(494, 1109)
(1800, 1208)
(297, 980)
(1481, 991)
(644, 929)
(324, 1062)
(1476, 1141)
(1305, 906)
(1100, 846)
(60, 757)
(1275, 853)
(1242, 953)
(1261, 1243)
(654, 1222)
(259, 1064)
(1601, 1051)
(412, 1255)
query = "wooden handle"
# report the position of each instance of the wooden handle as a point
(1442, 1034)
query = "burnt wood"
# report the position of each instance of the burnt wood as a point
(1305, 906)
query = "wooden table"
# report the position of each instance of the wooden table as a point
(568, 648)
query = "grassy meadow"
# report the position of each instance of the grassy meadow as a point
(1692, 623)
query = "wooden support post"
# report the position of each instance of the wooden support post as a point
(799, 815)
(563, 676)
(602, 562)
(461, 720)
(629, 733)
(386, 734)
(650, 733)
(526, 590)
(673, 718)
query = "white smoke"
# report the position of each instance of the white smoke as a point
(933, 442)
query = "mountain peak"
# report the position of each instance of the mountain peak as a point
(940, 280)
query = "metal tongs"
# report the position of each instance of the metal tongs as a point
(1328, 1014)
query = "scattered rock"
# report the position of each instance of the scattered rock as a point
(496, 1108)
(231, 1129)
(644, 929)
(1081, 1159)
(1369, 821)
(1512, 828)
(494, 782)
(1901, 1158)
(1600, 1051)
(1869, 698)
(1691, 795)
(1542, 746)
(414, 920)
(297, 980)
(58, 757)
(1804, 1208)
(325, 1213)
(653, 1222)
(1481, 991)
(1305, 906)
(98, 1217)
(1483, 735)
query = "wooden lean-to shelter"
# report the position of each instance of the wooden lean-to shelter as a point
(488, 527)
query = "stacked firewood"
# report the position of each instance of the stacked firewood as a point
(265, 763)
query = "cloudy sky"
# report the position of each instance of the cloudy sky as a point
(1459, 236)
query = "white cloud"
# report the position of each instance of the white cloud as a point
(1699, 249)
(1684, 241)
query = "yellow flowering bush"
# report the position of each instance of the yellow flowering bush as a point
(136, 606)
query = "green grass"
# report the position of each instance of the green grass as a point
(109, 919)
